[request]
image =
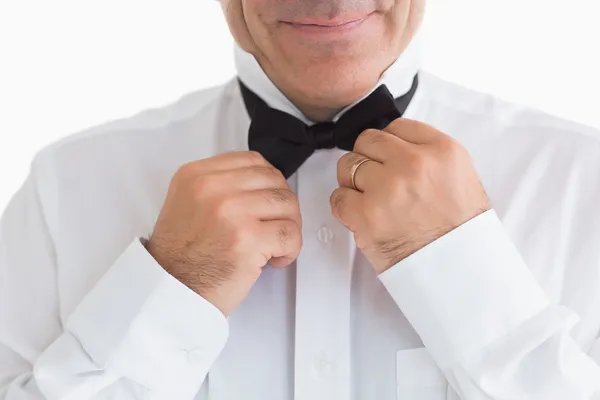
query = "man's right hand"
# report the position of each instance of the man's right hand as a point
(223, 219)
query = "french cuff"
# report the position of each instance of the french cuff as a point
(465, 289)
(145, 325)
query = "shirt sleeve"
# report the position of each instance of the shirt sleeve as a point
(486, 321)
(138, 334)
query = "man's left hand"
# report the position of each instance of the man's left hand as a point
(418, 185)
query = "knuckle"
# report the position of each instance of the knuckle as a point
(269, 173)
(185, 172)
(375, 136)
(397, 124)
(202, 185)
(278, 195)
(369, 137)
(288, 234)
(275, 174)
(354, 158)
(348, 160)
(337, 200)
(452, 149)
(284, 233)
(343, 161)
(225, 207)
(255, 157)
(186, 168)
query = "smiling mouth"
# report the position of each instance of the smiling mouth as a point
(324, 25)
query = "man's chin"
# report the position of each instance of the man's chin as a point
(333, 88)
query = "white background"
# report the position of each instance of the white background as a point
(66, 65)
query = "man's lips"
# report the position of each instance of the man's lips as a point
(320, 25)
(329, 22)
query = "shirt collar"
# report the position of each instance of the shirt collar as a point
(398, 78)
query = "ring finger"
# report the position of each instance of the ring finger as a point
(365, 174)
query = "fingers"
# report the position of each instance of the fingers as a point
(226, 162)
(246, 179)
(414, 131)
(188, 174)
(367, 174)
(270, 204)
(378, 145)
(345, 206)
(282, 241)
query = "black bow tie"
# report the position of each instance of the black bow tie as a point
(286, 142)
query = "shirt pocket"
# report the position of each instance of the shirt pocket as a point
(418, 377)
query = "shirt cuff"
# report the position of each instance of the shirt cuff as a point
(144, 324)
(465, 289)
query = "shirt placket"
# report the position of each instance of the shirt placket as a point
(322, 335)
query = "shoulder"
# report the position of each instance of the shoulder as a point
(498, 132)
(143, 124)
(449, 99)
(156, 139)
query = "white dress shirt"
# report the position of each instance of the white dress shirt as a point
(504, 307)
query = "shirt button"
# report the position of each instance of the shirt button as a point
(195, 356)
(324, 234)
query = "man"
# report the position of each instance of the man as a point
(429, 242)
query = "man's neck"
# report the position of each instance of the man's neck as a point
(398, 78)
(315, 113)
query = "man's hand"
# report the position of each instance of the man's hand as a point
(224, 218)
(420, 185)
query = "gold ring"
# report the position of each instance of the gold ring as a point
(354, 169)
